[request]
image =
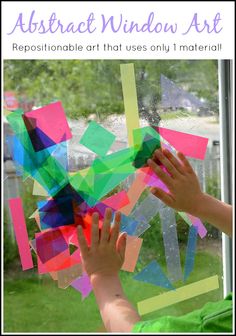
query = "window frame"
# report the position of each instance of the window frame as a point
(226, 102)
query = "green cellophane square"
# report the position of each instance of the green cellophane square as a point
(97, 138)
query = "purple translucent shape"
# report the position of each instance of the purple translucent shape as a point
(83, 285)
(202, 231)
(50, 244)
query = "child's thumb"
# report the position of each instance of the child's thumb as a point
(121, 244)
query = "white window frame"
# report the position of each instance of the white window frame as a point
(226, 105)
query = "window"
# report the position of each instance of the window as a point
(177, 94)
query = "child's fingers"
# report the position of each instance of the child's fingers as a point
(173, 160)
(163, 176)
(121, 244)
(167, 163)
(105, 232)
(185, 162)
(82, 241)
(163, 196)
(115, 229)
(95, 230)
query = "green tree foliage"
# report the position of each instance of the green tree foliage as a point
(94, 86)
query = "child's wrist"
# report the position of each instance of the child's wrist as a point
(201, 204)
(107, 287)
(102, 277)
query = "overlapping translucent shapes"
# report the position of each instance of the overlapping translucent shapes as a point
(117, 201)
(104, 175)
(59, 210)
(202, 231)
(53, 251)
(39, 190)
(147, 209)
(41, 165)
(67, 276)
(39, 150)
(74, 200)
(134, 227)
(191, 220)
(152, 180)
(147, 141)
(178, 295)
(134, 192)
(47, 126)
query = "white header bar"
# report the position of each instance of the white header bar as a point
(118, 30)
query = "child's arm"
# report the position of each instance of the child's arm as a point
(185, 193)
(102, 262)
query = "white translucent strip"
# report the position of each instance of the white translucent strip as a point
(171, 245)
(141, 228)
(147, 209)
(178, 295)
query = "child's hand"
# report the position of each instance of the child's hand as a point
(184, 189)
(106, 254)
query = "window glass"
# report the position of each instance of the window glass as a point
(181, 95)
